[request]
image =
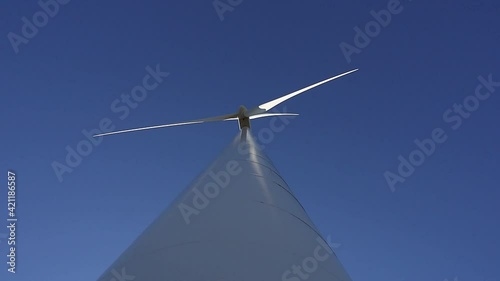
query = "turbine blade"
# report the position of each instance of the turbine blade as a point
(197, 121)
(271, 114)
(268, 105)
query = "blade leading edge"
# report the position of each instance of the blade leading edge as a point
(268, 105)
(197, 121)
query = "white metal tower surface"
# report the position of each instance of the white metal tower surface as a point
(238, 221)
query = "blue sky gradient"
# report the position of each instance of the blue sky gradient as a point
(441, 222)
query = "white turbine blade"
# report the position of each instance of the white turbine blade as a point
(210, 119)
(268, 105)
(271, 115)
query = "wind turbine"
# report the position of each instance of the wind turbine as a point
(238, 220)
(243, 115)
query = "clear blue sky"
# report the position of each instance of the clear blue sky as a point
(441, 222)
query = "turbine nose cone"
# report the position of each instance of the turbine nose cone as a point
(243, 111)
